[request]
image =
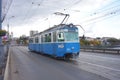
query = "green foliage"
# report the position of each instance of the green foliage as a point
(3, 32)
(22, 40)
(89, 43)
(84, 42)
(95, 42)
(113, 41)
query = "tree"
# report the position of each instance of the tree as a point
(84, 42)
(22, 40)
(3, 32)
(113, 41)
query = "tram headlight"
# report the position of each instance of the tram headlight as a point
(72, 48)
(76, 30)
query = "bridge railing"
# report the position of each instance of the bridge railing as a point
(3, 59)
(100, 49)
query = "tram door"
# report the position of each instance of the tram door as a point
(60, 44)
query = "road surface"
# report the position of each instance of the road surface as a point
(26, 65)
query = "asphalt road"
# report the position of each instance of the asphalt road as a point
(26, 65)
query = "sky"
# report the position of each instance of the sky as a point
(99, 18)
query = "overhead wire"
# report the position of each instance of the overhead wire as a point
(106, 12)
(39, 4)
(103, 17)
(103, 13)
(28, 13)
(108, 6)
(7, 9)
(72, 6)
(103, 10)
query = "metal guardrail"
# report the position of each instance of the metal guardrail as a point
(100, 50)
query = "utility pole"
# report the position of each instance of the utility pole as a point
(8, 33)
(2, 52)
(0, 20)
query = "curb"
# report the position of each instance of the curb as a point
(6, 74)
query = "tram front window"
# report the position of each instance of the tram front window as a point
(71, 36)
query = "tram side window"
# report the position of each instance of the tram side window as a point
(42, 38)
(36, 40)
(30, 40)
(39, 39)
(60, 37)
(54, 36)
(48, 37)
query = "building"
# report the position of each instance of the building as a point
(33, 32)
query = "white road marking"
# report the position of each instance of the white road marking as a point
(100, 66)
(101, 57)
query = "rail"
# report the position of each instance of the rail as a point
(100, 50)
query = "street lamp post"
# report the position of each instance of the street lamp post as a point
(8, 35)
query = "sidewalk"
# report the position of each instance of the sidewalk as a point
(11, 72)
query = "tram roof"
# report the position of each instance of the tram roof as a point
(56, 27)
(60, 26)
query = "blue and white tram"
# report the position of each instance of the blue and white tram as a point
(60, 41)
